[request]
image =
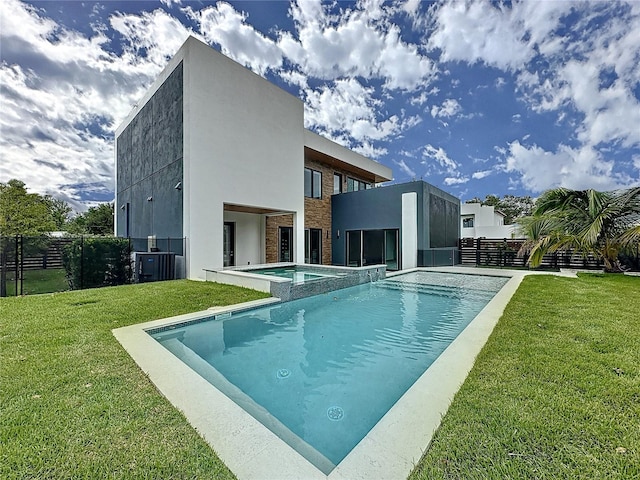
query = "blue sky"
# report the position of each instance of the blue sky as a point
(474, 97)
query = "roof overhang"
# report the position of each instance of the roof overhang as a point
(319, 148)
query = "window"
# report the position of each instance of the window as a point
(286, 244)
(354, 185)
(313, 245)
(373, 247)
(467, 222)
(312, 183)
(337, 183)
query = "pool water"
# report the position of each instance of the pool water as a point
(321, 371)
(296, 275)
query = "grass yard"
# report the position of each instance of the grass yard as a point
(554, 394)
(73, 404)
(39, 281)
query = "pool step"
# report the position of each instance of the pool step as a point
(438, 290)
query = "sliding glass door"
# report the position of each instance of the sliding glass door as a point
(373, 247)
(313, 245)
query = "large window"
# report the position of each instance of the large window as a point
(337, 183)
(373, 247)
(354, 185)
(313, 245)
(312, 183)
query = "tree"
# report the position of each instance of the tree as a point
(95, 221)
(602, 224)
(23, 213)
(59, 211)
(514, 207)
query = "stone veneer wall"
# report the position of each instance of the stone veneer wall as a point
(317, 213)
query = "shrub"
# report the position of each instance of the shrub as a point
(97, 262)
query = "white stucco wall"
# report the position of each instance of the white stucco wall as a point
(486, 222)
(243, 145)
(409, 233)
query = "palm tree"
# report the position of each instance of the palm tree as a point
(602, 224)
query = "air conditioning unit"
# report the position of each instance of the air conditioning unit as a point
(154, 266)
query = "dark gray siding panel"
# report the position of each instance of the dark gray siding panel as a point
(142, 144)
(150, 164)
(444, 219)
(124, 160)
(167, 201)
(142, 209)
(124, 197)
(168, 118)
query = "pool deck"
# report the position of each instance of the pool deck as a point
(389, 451)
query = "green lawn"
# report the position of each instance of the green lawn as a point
(39, 281)
(73, 404)
(554, 394)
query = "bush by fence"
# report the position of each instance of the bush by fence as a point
(97, 262)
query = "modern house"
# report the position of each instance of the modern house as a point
(219, 156)
(483, 221)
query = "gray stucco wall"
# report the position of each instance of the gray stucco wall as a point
(381, 208)
(149, 164)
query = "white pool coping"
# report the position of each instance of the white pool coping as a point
(251, 451)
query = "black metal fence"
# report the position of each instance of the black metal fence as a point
(502, 252)
(31, 265)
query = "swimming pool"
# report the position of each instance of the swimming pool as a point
(296, 275)
(320, 372)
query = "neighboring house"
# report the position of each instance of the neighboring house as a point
(217, 155)
(483, 221)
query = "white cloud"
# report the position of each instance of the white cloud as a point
(367, 149)
(151, 38)
(347, 106)
(481, 174)
(456, 180)
(500, 36)
(607, 44)
(575, 168)
(441, 157)
(405, 168)
(449, 108)
(223, 25)
(358, 42)
(171, 3)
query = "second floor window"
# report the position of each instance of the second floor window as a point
(467, 222)
(312, 183)
(337, 183)
(354, 185)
